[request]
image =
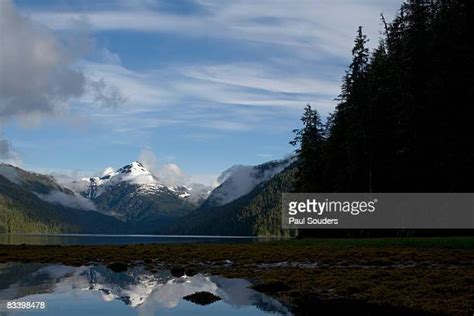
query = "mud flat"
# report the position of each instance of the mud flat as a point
(389, 276)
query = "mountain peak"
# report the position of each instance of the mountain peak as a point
(134, 172)
(144, 182)
(135, 167)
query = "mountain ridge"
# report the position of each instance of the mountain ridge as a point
(136, 196)
(240, 180)
(257, 213)
(133, 199)
(22, 211)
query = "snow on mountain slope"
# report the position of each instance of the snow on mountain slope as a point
(239, 180)
(134, 173)
(147, 184)
(195, 192)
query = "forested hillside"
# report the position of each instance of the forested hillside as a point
(405, 116)
(256, 213)
(404, 122)
(23, 212)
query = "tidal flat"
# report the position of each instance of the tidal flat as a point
(432, 276)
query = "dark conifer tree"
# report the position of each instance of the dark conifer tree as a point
(348, 128)
(310, 140)
(404, 121)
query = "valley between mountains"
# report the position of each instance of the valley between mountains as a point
(132, 200)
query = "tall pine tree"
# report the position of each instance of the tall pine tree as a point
(348, 143)
(310, 140)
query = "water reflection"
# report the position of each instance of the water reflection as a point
(98, 290)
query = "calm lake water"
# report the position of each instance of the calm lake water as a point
(96, 290)
(89, 239)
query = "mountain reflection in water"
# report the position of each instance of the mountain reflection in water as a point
(96, 290)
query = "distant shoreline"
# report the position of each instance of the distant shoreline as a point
(138, 235)
(122, 239)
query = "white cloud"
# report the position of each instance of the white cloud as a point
(120, 20)
(225, 125)
(219, 97)
(208, 179)
(110, 57)
(257, 76)
(66, 176)
(264, 156)
(107, 171)
(172, 175)
(307, 32)
(68, 200)
(168, 173)
(107, 96)
(311, 28)
(140, 88)
(8, 154)
(239, 180)
(148, 158)
(241, 84)
(38, 71)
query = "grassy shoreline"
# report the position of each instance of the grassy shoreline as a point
(389, 275)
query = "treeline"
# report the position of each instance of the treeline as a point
(405, 116)
(14, 218)
(21, 211)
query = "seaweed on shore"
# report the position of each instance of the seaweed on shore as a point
(434, 280)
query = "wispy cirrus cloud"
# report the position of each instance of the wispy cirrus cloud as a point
(306, 26)
(219, 83)
(263, 77)
(230, 75)
(139, 87)
(226, 97)
(302, 30)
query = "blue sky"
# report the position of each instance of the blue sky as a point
(198, 85)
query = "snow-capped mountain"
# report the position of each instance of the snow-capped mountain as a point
(134, 173)
(136, 196)
(239, 180)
